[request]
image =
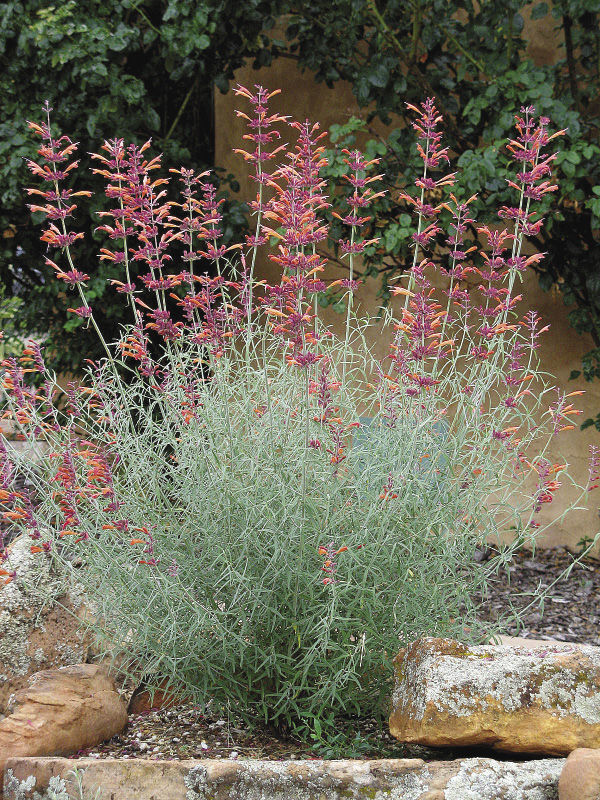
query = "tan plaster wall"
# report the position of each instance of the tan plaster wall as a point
(544, 37)
(562, 347)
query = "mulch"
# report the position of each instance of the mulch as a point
(570, 613)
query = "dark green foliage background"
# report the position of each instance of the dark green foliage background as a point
(141, 68)
(118, 68)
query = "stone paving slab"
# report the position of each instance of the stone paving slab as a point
(387, 779)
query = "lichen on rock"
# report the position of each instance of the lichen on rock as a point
(22, 790)
(386, 779)
(195, 782)
(485, 779)
(517, 699)
(14, 789)
(21, 602)
(38, 626)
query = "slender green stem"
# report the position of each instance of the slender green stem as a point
(126, 252)
(254, 249)
(349, 308)
(416, 30)
(411, 277)
(182, 108)
(459, 46)
(67, 251)
(303, 486)
(144, 16)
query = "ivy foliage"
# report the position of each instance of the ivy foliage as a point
(133, 68)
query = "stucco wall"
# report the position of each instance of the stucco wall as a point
(562, 347)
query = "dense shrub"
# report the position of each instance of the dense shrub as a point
(267, 512)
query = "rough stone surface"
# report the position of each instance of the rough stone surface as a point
(143, 700)
(39, 624)
(542, 700)
(391, 779)
(62, 711)
(580, 778)
(528, 644)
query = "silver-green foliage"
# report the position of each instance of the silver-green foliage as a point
(56, 789)
(236, 610)
(262, 531)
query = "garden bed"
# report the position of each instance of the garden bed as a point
(571, 614)
(185, 732)
(571, 611)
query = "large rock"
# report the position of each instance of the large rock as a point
(39, 620)
(390, 779)
(515, 699)
(62, 711)
(580, 778)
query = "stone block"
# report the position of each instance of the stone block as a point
(389, 779)
(538, 700)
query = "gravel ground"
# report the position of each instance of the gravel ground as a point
(571, 613)
(185, 732)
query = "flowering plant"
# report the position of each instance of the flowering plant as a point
(264, 511)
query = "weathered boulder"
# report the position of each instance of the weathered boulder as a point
(542, 700)
(62, 711)
(580, 777)
(39, 620)
(389, 779)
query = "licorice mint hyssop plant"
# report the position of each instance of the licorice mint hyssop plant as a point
(262, 510)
